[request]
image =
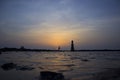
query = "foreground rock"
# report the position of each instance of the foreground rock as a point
(8, 66)
(47, 75)
(24, 68)
(85, 60)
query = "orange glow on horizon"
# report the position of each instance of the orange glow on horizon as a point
(57, 39)
(53, 37)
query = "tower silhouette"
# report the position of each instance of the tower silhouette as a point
(72, 46)
(59, 48)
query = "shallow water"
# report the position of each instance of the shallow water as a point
(73, 65)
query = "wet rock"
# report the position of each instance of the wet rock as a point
(47, 75)
(8, 66)
(69, 65)
(84, 60)
(41, 67)
(24, 68)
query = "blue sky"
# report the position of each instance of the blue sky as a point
(92, 24)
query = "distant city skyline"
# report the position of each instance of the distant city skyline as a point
(47, 24)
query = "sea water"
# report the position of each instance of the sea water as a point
(73, 65)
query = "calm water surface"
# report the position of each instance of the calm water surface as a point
(73, 65)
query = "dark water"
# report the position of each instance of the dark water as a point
(73, 65)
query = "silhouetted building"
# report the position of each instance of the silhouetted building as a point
(72, 46)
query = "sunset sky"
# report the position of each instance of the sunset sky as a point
(47, 24)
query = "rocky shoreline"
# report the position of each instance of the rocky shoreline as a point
(109, 74)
